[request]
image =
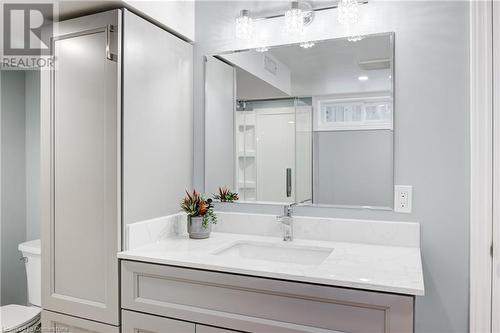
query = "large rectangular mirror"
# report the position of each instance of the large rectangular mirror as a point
(309, 122)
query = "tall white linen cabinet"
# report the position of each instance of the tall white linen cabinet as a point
(116, 140)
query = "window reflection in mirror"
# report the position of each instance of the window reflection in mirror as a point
(303, 125)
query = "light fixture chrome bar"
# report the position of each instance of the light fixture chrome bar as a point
(317, 9)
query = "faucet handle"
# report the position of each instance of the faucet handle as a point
(286, 220)
(282, 219)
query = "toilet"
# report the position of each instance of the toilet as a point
(16, 318)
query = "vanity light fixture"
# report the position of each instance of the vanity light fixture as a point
(294, 19)
(348, 12)
(363, 78)
(262, 49)
(244, 25)
(301, 14)
(348, 16)
(298, 16)
(306, 45)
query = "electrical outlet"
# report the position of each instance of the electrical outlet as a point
(403, 198)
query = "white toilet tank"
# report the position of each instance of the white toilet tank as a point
(31, 254)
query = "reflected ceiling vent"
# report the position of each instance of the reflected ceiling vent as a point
(270, 65)
(373, 64)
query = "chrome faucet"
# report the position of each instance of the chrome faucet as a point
(286, 221)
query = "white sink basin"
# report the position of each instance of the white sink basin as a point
(285, 253)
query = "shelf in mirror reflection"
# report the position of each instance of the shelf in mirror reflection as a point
(246, 125)
(247, 153)
(247, 184)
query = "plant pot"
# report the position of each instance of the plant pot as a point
(196, 229)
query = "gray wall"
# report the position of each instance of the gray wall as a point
(431, 133)
(32, 105)
(13, 214)
(220, 118)
(20, 186)
(353, 168)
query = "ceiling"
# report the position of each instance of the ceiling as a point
(68, 9)
(251, 87)
(332, 67)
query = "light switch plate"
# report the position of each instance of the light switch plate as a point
(403, 198)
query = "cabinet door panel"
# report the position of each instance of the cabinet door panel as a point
(80, 171)
(133, 322)
(56, 322)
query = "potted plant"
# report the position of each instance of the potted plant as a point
(200, 212)
(225, 195)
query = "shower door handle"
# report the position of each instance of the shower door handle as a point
(288, 182)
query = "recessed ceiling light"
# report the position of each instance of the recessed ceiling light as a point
(363, 78)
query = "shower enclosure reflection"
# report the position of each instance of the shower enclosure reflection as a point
(271, 135)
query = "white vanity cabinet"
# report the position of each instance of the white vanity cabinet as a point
(255, 304)
(106, 110)
(80, 162)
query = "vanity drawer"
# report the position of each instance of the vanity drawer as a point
(255, 304)
(208, 329)
(133, 322)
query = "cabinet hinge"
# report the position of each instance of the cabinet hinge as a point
(491, 250)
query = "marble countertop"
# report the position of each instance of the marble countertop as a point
(384, 268)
